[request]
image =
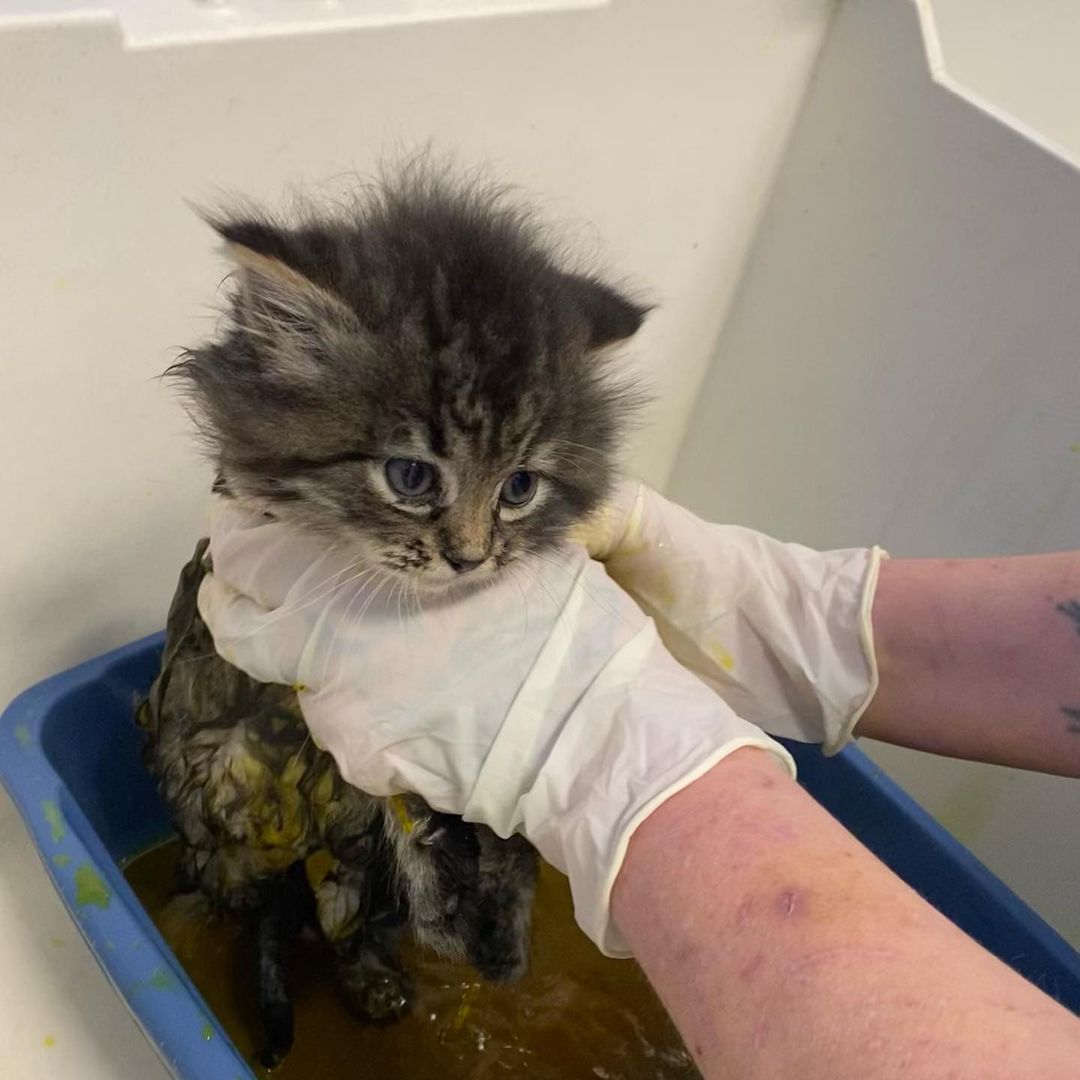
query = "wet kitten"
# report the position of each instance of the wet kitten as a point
(417, 378)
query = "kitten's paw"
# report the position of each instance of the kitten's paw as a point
(278, 1031)
(379, 996)
(504, 965)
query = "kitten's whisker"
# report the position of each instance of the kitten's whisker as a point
(341, 620)
(415, 594)
(286, 610)
(399, 592)
(570, 454)
(326, 581)
(524, 595)
(280, 614)
(576, 445)
(560, 624)
(538, 578)
(577, 466)
(543, 557)
(387, 577)
(378, 587)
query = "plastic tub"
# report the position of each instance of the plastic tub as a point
(69, 758)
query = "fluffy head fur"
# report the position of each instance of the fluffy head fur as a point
(401, 375)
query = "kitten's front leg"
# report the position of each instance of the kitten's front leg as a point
(500, 925)
(364, 920)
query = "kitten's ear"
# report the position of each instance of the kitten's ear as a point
(291, 319)
(277, 291)
(611, 315)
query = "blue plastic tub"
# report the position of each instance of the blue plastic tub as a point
(69, 758)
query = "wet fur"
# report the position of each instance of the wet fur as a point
(429, 320)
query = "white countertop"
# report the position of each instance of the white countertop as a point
(59, 1016)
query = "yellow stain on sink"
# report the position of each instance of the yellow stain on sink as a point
(89, 888)
(54, 818)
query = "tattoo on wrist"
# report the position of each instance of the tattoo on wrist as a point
(1071, 610)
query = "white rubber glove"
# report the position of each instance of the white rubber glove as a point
(780, 631)
(543, 703)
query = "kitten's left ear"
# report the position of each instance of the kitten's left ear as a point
(611, 316)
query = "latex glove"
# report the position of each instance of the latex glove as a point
(542, 703)
(780, 631)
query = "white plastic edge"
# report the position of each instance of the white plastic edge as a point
(935, 59)
(146, 25)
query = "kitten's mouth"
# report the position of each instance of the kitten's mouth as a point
(448, 583)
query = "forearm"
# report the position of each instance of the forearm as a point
(781, 947)
(980, 659)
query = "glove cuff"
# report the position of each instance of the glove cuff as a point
(843, 732)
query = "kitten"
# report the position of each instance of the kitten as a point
(416, 377)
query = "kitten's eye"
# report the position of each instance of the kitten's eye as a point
(519, 489)
(410, 478)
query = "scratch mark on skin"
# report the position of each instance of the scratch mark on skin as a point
(750, 969)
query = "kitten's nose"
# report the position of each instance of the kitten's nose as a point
(460, 564)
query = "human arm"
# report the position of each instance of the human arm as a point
(782, 947)
(980, 659)
(977, 658)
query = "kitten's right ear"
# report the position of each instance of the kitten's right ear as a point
(291, 319)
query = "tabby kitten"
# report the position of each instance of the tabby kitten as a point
(419, 379)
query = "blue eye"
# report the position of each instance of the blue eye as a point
(519, 489)
(410, 478)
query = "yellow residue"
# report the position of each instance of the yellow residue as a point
(465, 1007)
(599, 533)
(89, 888)
(49, 1040)
(323, 791)
(299, 687)
(317, 866)
(718, 654)
(402, 812)
(54, 819)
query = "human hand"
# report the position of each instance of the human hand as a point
(780, 631)
(543, 703)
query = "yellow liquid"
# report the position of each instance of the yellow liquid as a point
(577, 1014)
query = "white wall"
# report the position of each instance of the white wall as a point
(620, 118)
(902, 365)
